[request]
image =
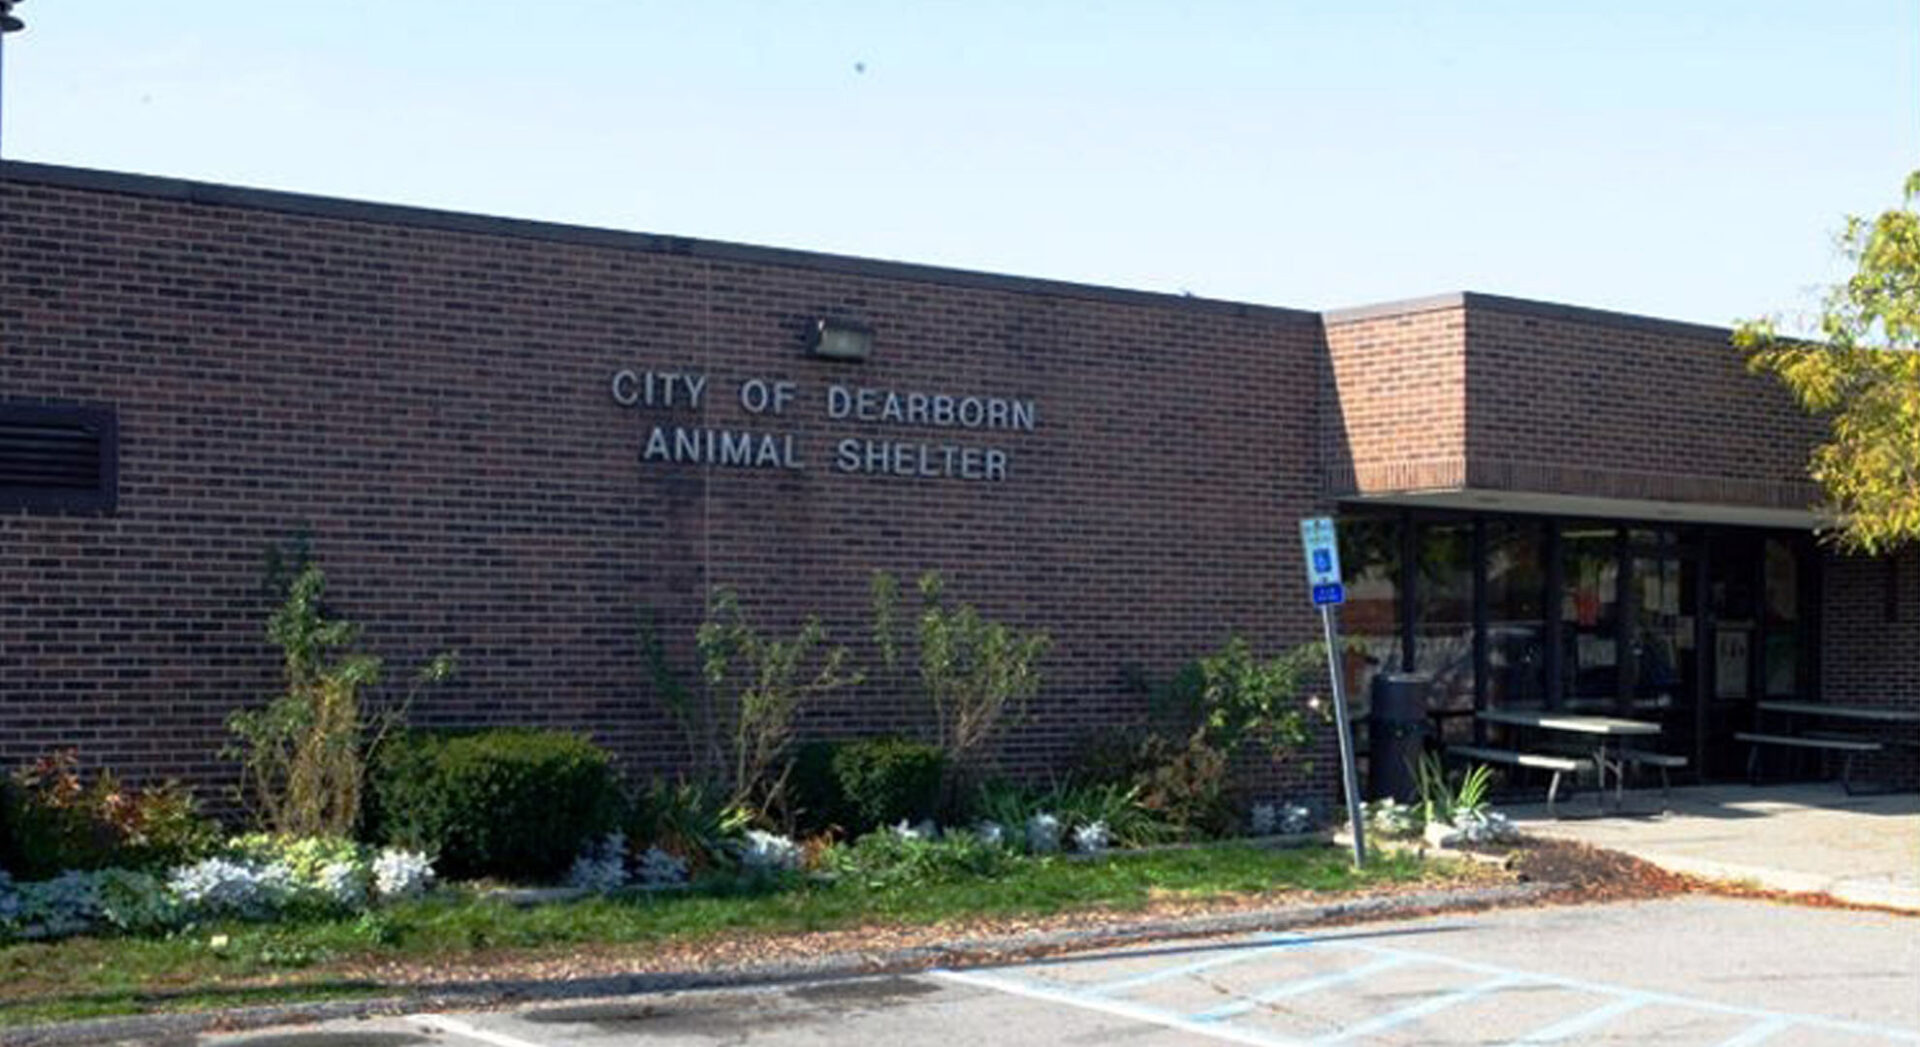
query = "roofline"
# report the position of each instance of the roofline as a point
(1475, 300)
(213, 194)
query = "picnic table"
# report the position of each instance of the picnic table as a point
(1607, 735)
(1849, 730)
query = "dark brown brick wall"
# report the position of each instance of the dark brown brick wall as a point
(430, 395)
(1568, 401)
(1396, 409)
(1870, 645)
(1475, 391)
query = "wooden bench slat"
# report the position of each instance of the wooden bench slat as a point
(1839, 745)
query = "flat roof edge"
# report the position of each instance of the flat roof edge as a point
(1475, 301)
(310, 205)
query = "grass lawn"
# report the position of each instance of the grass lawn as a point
(238, 964)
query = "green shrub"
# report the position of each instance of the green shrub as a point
(888, 780)
(514, 803)
(882, 860)
(818, 804)
(1186, 785)
(55, 820)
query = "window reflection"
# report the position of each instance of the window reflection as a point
(1370, 558)
(1443, 615)
(1516, 622)
(1589, 622)
(1782, 672)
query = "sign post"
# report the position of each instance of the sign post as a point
(1323, 578)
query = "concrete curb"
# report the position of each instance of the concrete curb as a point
(1850, 890)
(964, 952)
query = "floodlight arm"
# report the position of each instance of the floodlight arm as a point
(8, 24)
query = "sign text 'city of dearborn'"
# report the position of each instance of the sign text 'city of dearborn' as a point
(758, 448)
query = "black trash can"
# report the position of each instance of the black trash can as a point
(1396, 734)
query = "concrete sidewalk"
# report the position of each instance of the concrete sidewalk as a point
(1801, 838)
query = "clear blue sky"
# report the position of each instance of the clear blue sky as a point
(1687, 158)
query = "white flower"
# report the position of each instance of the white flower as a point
(926, 830)
(660, 869)
(765, 852)
(991, 833)
(1043, 833)
(1389, 817)
(1486, 827)
(602, 866)
(222, 887)
(1092, 838)
(401, 874)
(1295, 819)
(342, 884)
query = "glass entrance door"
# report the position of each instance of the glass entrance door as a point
(1661, 663)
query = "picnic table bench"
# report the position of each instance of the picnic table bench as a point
(1601, 741)
(1853, 740)
(1559, 765)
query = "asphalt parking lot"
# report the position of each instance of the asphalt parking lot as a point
(1694, 970)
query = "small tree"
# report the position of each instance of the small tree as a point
(978, 674)
(1863, 375)
(303, 755)
(756, 686)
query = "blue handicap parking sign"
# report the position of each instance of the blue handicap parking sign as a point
(1326, 594)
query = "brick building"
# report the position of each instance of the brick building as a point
(509, 438)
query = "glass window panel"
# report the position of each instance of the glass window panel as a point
(1782, 603)
(1443, 612)
(1735, 606)
(1589, 615)
(1654, 668)
(1783, 590)
(1370, 561)
(1516, 622)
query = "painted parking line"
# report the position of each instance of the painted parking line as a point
(1218, 1022)
(1140, 1012)
(1580, 1023)
(1300, 988)
(1431, 1005)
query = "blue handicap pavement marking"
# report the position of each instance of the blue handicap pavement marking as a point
(1218, 1023)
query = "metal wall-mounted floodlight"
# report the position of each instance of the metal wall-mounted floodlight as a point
(841, 340)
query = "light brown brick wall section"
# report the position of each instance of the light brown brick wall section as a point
(435, 404)
(1396, 400)
(1627, 410)
(1870, 646)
